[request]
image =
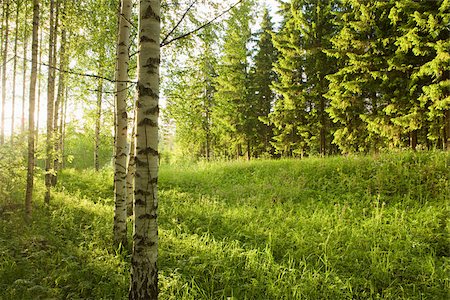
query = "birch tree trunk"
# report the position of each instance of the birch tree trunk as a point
(63, 126)
(34, 52)
(120, 160)
(24, 83)
(98, 117)
(4, 62)
(39, 83)
(131, 170)
(144, 271)
(16, 37)
(50, 105)
(58, 103)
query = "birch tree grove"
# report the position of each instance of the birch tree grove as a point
(120, 160)
(144, 271)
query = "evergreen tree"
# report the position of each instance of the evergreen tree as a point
(232, 95)
(299, 115)
(431, 27)
(358, 90)
(261, 94)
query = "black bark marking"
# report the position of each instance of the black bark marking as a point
(121, 155)
(146, 39)
(147, 121)
(152, 111)
(148, 150)
(152, 64)
(124, 115)
(150, 13)
(139, 202)
(142, 192)
(147, 216)
(144, 91)
(154, 180)
(140, 163)
(145, 243)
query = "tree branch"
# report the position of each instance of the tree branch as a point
(179, 22)
(201, 27)
(81, 74)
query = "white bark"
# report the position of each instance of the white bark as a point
(144, 271)
(34, 51)
(50, 104)
(120, 161)
(4, 62)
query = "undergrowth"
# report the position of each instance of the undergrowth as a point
(333, 228)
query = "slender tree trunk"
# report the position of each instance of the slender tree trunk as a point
(50, 105)
(120, 160)
(24, 83)
(413, 139)
(249, 155)
(98, 118)
(59, 100)
(447, 129)
(5, 60)
(144, 271)
(63, 127)
(39, 80)
(34, 52)
(131, 170)
(323, 138)
(2, 29)
(16, 38)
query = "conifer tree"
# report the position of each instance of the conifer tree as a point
(358, 91)
(431, 22)
(232, 84)
(261, 94)
(299, 115)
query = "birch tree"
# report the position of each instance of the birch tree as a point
(5, 61)
(24, 68)
(34, 56)
(16, 38)
(144, 271)
(50, 103)
(120, 160)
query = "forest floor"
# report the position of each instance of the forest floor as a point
(356, 227)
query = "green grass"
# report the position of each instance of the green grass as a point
(334, 228)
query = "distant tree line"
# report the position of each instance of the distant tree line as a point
(334, 77)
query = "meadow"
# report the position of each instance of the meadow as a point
(355, 227)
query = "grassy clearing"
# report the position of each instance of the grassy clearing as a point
(334, 228)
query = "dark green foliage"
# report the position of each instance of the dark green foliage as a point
(261, 95)
(233, 111)
(391, 89)
(301, 122)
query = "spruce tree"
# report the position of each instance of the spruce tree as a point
(232, 82)
(358, 90)
(299, 115)
(261, 94)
